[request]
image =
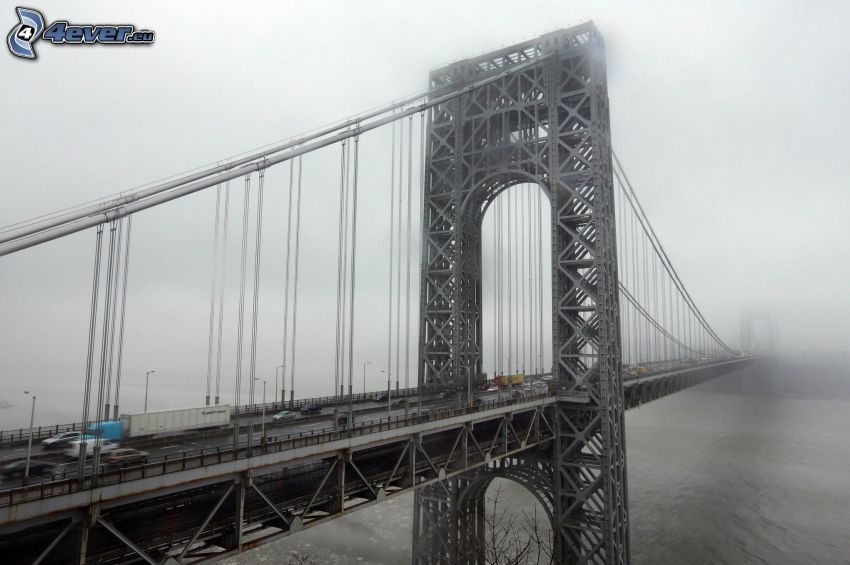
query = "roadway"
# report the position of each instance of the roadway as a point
(192, 444)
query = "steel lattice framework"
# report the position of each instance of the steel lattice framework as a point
(547, 123)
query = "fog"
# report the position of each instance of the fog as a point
(730, 118)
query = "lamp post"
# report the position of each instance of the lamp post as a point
(147, 381)
(29, 442)
(364, 375)
(283, 385)
(263, 421)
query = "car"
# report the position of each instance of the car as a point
(125, 456)
(423, 414)
(310, 409)
(342, 420)
(478, 401)
(73, 448)
(397, 404)
(61, 439)
(16, 469)
(382, 397)
(284, 415)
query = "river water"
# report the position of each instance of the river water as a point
(715, 476)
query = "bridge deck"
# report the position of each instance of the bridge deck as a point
(293, 482)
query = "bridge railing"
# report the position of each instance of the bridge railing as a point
(59, 485)
(17, 436)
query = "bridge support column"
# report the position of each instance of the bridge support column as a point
(440, 527)
(235, 541)
(86, 521)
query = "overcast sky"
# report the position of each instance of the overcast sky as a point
(731, 119)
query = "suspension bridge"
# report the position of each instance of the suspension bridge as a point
(535, 257)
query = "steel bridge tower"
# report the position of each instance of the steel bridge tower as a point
(546, 123)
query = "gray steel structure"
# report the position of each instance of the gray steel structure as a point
(546, 124)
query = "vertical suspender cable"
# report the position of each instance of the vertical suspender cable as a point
(123, 311)
(337, 386)
(343, 324)
(286, 279)
(212, 293)
(391, 240)
(113, 316)
(495, 292)
(398, 257)
(529, 236)
(621, 272)
(654, 302)
(645, 289)
(241, 315)
(423, 154)
(84, 422)
(353, 280)
(521, 269)
(256, 296)
(107, 313)
(540, 271)
(517, 218)
(221, 291)
(295, 285)
(499, 312)
(634, 289)
(409, 223)
(508, 272)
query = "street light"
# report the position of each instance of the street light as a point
(147, 381)
(364, 375)
(283, 388)
(29, 442)
(263, 421)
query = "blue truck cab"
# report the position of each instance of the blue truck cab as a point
(110, 429)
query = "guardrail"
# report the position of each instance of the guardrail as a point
(9, 438)
(59, 485)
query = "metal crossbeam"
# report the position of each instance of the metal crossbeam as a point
(125, 540)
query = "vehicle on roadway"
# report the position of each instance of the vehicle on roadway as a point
(310, 409)
(382, 397)
(16, 469)
(284, 415)
(168, 421)
(61, 439)
(125, 456)
(342, 420)
(106, 445)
